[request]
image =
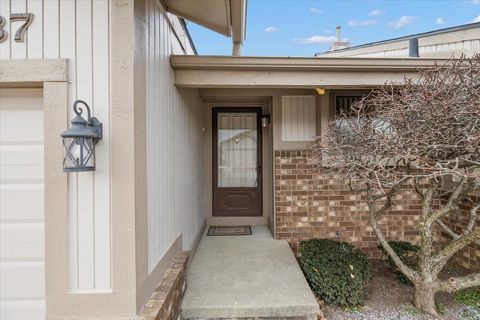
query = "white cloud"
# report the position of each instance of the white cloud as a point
(316, 40)
(477, 19)
(403, 22)
(376, 13)
(440, 20)
(362, 23)
(315, 10)
(475, 2)
(271, 29)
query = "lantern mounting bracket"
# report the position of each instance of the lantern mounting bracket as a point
(92, 122)
(97, 127)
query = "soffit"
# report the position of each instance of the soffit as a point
(227, 17)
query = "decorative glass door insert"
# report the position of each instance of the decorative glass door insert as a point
(237, 161)
(237, 150)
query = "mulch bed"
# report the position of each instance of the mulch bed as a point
(389, 299)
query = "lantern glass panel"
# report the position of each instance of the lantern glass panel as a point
(79, 154)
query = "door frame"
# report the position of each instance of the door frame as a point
(214, 174)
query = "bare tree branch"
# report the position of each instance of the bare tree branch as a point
(455, 197)
(417, 187)
(425, 228)
(447, 230)
(441, 258)
(459, 283)
(374, 216)
(472, 219)
(416, 134)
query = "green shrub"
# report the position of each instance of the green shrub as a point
(337, 272)
(470, 297)
(407, 252)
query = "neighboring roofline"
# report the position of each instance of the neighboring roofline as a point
(179, 62)
(418, 35)
(187, 32)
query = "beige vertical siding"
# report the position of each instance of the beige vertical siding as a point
(77, 30)
(174, 143)
(298, 118)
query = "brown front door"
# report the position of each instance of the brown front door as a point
(237, 162)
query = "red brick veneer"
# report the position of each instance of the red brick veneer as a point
(309, 205)
(165, 302)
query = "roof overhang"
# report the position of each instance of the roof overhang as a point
(227, 17)
(273, 72)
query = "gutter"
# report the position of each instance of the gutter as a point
(180, 62)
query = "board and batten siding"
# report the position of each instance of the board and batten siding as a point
(80, 31)
(175, 139)
(298, 118)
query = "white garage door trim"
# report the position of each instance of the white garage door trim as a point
(22, 218)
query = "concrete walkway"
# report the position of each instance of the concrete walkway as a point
(247, 277)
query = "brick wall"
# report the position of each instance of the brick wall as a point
(312, 206)
(309, 205)
(165, 302)
(470, 256)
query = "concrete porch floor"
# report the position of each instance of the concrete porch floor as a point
(247, 277)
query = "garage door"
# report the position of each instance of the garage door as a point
(22, 272)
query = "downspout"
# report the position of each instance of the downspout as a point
(237, 49)
(238, 11)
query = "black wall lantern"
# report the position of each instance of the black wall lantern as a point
(80, 139)
(265, 120)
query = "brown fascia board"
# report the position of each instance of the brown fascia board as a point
(179, 62)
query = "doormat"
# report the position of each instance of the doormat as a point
(229, 231)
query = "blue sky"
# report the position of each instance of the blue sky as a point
(302, 27)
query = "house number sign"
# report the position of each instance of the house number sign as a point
(20, 33)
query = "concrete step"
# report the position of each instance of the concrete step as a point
(247, 277)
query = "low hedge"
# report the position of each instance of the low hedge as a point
(337, 272)
(407, 252)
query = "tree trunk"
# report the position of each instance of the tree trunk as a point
(424, 297)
